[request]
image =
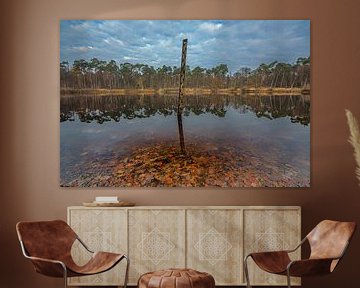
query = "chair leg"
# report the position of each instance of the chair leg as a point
(127, 271)
(65, 276)
(246, 270)
(288, 278)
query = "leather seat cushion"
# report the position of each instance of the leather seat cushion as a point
(176, 278)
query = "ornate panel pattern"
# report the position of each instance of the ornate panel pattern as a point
(269, 230)
(214, 242)
(209, 239)
(156, 240)
(101, 230)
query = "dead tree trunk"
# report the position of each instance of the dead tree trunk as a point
(181, 94)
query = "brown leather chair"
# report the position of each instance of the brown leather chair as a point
(328, 242)
(48, 245)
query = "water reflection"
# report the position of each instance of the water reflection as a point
(234, 141)
(102, 109)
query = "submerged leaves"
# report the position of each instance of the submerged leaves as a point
(162, 165)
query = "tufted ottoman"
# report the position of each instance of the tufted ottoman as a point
(176, 278)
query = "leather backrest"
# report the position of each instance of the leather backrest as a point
(47, 239)
(329, 238)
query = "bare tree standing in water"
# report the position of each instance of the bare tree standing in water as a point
(181, 94)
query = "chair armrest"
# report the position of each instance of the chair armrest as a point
(83, 244)
(309, 267)
(298, 246)
(280, 251)
(267, 253)
(45, 260)
(48, 267)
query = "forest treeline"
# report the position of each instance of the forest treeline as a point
(99, 74)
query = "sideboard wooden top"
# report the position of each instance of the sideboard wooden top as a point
(193, 207)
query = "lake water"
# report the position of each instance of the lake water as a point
(266, 137)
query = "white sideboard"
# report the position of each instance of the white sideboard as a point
(212, 239)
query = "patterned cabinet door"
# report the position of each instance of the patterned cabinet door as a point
(214, 244)
(156, 240)
(270, 230)
(101, 230)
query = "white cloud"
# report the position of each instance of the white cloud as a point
(147, 47)
(81, 27)
(212, 40)
(182, 35)
(255, 42)
(210, 27)
(82, 48)
(114, 41)
(165, 42)
(129, 58)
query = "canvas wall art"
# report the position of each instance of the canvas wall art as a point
(185, 103)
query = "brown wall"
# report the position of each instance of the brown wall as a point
(29, 118)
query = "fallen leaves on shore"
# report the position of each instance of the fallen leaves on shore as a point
(204, 165)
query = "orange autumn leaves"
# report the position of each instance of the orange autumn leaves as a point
(162, 165)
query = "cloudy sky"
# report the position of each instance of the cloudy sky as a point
(237, 43)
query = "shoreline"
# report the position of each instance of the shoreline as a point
(261, 91)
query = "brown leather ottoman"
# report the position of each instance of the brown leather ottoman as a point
(176, 278)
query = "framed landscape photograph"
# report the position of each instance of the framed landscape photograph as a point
(185, 103)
